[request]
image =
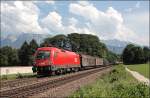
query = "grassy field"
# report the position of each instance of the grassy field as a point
(143, 69)
(117, 84)
(16, 76)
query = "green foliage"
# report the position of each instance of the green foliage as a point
(19, 75)
(3, 59)
(33, 46)
(117, 84)
(26, 52)
(4, 77)
(146, 51)
(135, 55)
(111, 57)
(16, 76)
(8, 56)
(75, 41)
(32, 49)
(60, 41)
(22, 56)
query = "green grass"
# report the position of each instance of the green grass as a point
(117, 84)
(143, 69)
(16, 76)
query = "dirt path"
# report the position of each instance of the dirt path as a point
(139, 77)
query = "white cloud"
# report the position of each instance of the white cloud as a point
(53, 22)
(73, 21)
(50, 2)
(139, 23)
(84, 3)
(110, 24)
(107, 24)
(20, 17)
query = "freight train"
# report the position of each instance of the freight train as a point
(52, 60)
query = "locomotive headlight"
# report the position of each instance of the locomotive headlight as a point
(43, 63)
(49, 62)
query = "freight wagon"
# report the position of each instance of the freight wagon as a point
(49, 60)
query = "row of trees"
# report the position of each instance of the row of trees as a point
(22, 56)
(135, 55)
(80, 43)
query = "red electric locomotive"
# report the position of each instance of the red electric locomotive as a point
(52, 59)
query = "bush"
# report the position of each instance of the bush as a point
(4, 77)
(117, 84)
(19, 75)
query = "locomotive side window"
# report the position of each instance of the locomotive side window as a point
(43, 55)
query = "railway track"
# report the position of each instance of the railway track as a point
(39, 87)
(19, 82)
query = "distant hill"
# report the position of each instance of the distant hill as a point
(17, 40)
(115, 45)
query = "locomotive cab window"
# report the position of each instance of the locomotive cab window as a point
(43, 55)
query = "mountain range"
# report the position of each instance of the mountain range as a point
(16, 41)
(115, 45)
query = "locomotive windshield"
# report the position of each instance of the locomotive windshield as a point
(43, 55)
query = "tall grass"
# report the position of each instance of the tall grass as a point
(117, 84)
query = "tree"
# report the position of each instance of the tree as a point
(13, 58)
(33, 46)
(60, 41)
(75, 41)
(146, 51)
(133, 55)
(3, 60)
(32, 49)
(87, 44)
(9, 56)
(128, 54)
(112, 57)
(24, 54)
(138, 55)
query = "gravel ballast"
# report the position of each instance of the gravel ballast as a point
(68, 88)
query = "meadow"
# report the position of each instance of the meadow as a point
(17, 76)
(143, 69)
(118, 84)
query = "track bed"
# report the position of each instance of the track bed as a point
(38, 86)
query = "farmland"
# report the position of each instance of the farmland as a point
(141, 68)
(118, 83)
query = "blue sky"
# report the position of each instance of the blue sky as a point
(122, 20)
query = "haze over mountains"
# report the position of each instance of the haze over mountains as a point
(115, 45)
(16, 41)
